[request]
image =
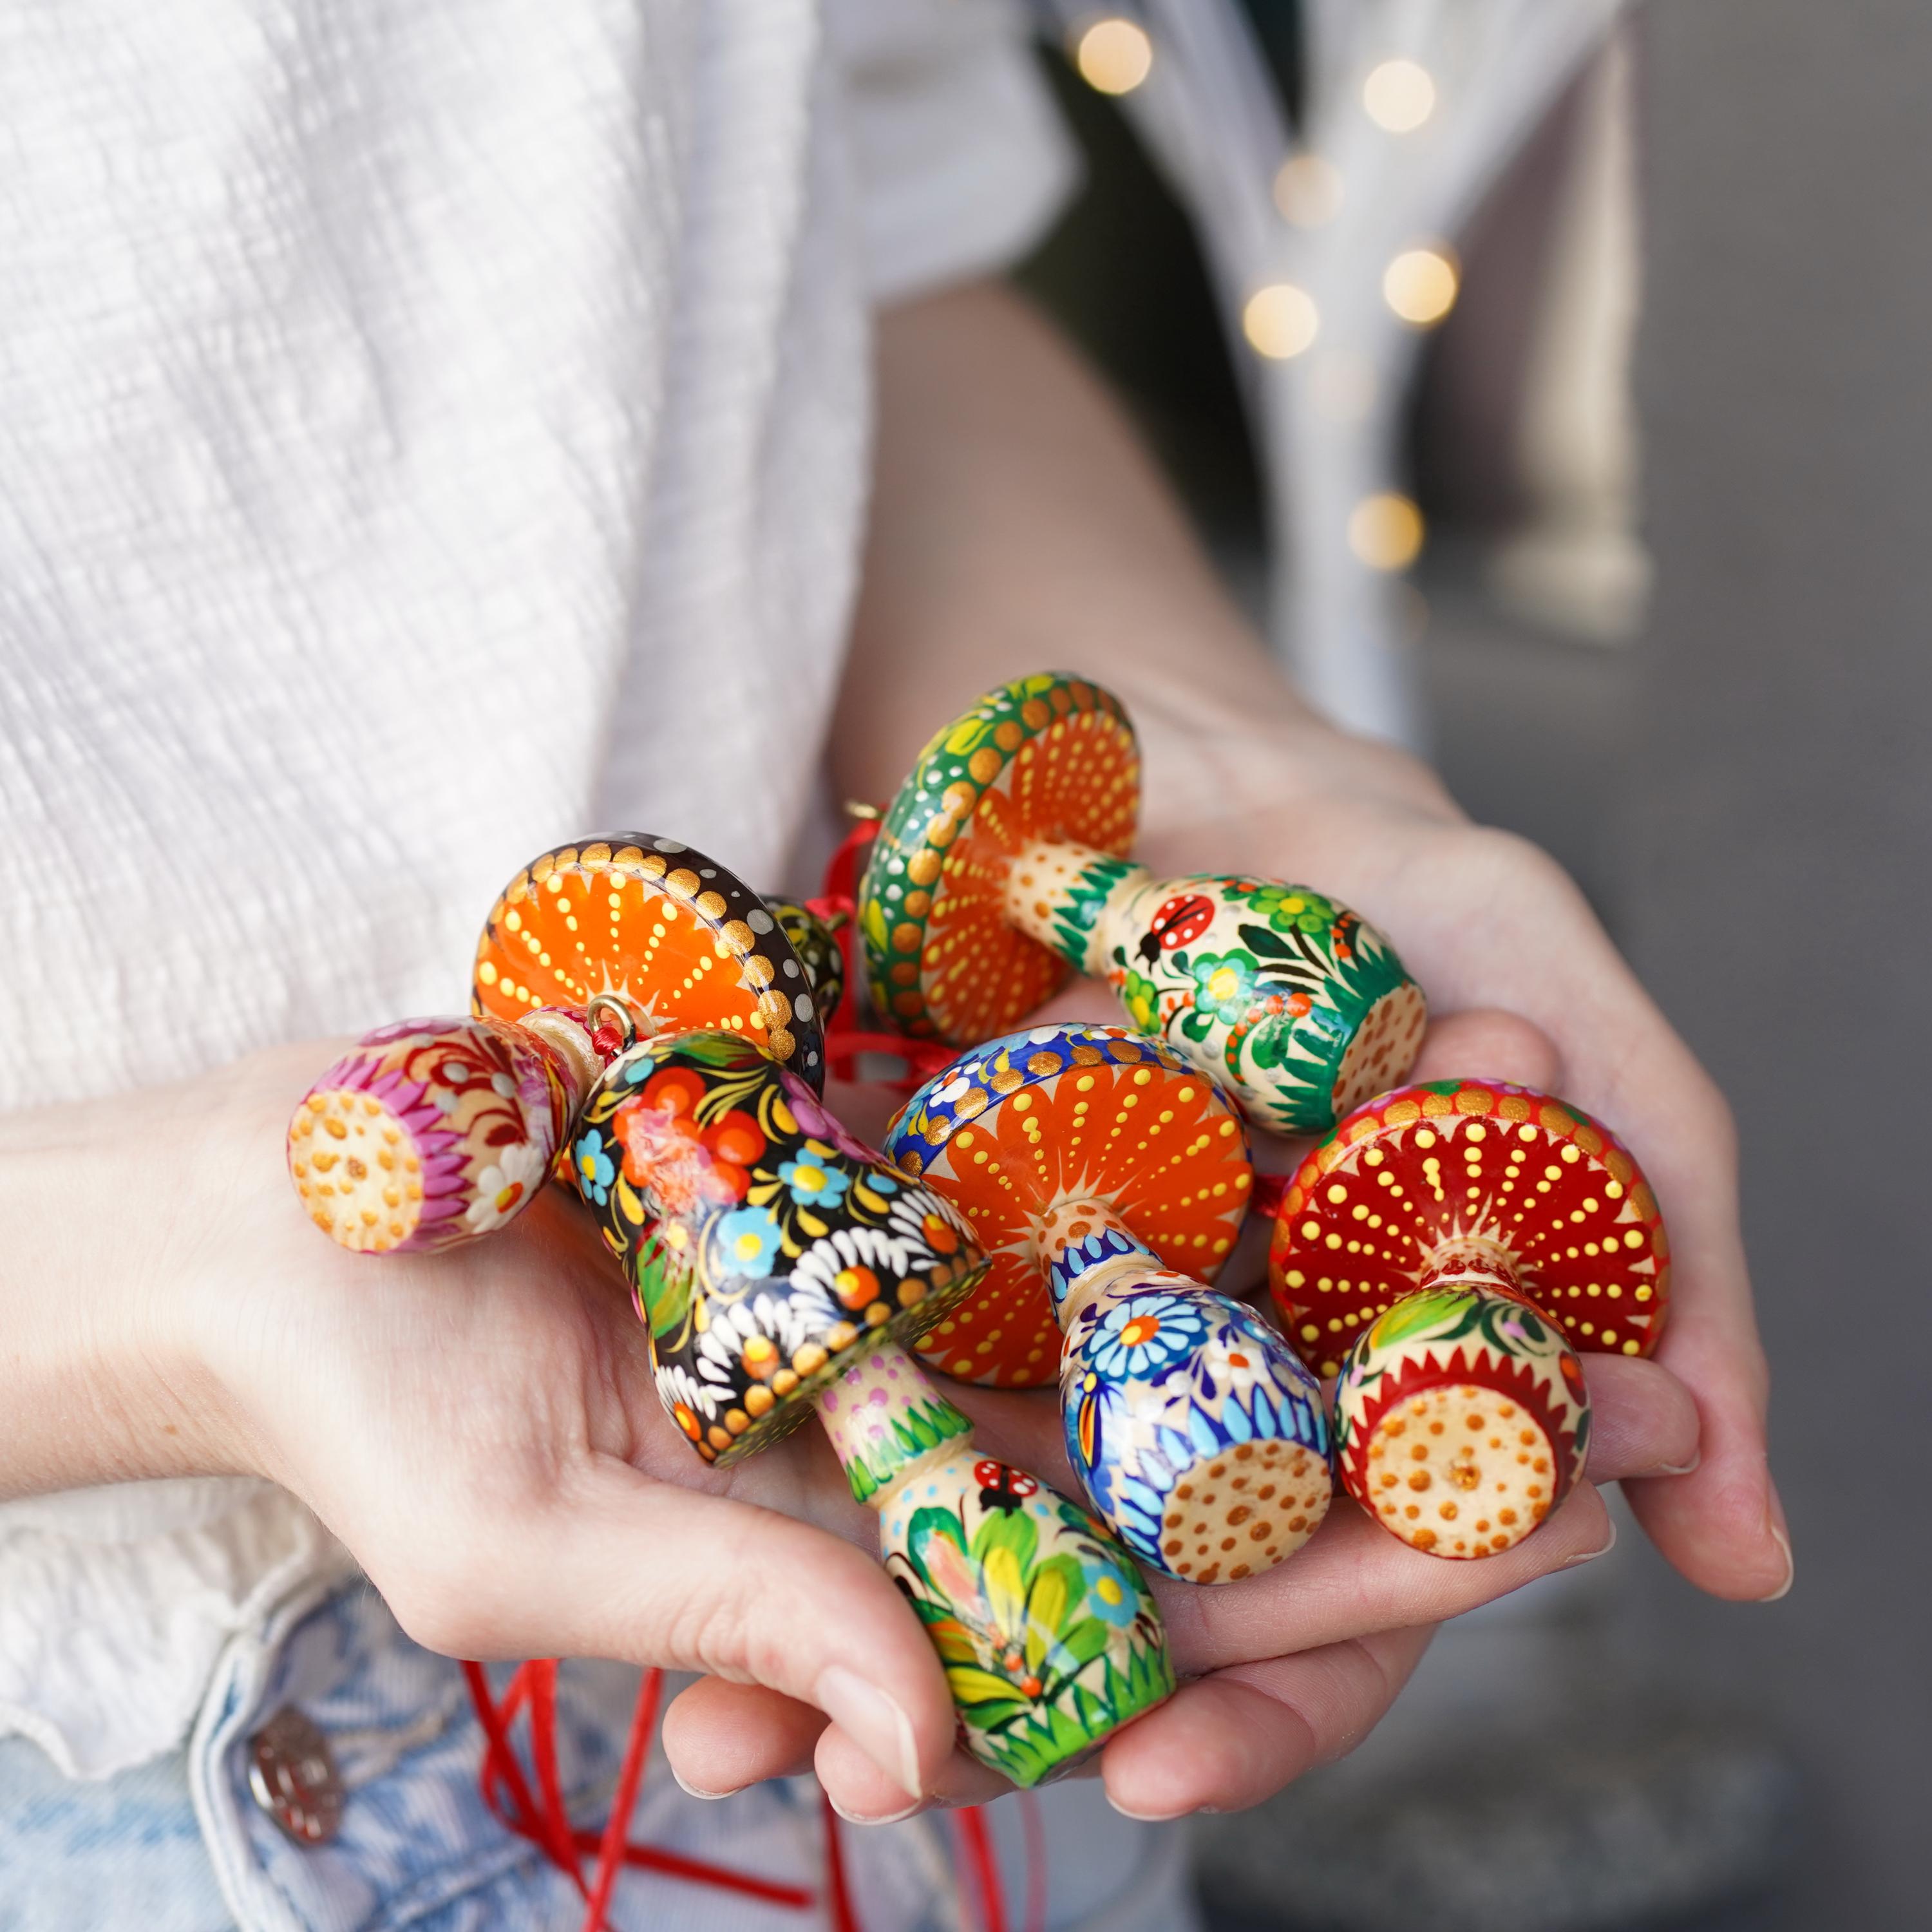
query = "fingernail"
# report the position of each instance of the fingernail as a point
(692, 1791)
(1680, 1468)
(873, 1721)
(1591, 1555)
(1775, 1521)
(1153, 1817)
(890, 1818)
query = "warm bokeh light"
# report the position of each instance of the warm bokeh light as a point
(1113, 56)
(1308, 190)
(1420, 285)
(1399, 95)
(1279, 321)
(1385, 531)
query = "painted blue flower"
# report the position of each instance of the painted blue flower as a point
(1111, 1591)
(636, 1070)
(812, 1183)
(1145, 1335)
(596, 1170)
(746, 1241)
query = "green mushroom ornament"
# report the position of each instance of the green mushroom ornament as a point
(1002, 864)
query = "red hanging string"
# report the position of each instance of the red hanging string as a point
(975, 1841)
(838, 1895)
(845, 1040)
(637, 1747)
(501, 1772)
(1271, 1190)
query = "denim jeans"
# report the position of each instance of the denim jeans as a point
(179, 1845)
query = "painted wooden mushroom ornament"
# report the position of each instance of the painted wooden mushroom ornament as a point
(781, 1265)
(1104, 1177)
(1445, 1251)
(1002, 863)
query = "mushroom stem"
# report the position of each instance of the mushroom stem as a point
(1470, 1261)
(1083, 1247)
(1061, 893)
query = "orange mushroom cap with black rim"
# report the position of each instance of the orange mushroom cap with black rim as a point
(1474, 1177)
(680, 939)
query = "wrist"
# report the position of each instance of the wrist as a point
(102, 1382)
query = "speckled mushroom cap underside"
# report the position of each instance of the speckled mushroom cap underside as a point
(1553, 1196)
(1050, 757)
(679, 938)
(1060, 1113)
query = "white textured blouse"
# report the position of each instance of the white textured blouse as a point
(427, 433)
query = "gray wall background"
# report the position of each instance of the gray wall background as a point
(1774, 883)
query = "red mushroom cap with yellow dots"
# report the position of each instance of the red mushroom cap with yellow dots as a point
(1475, 1178)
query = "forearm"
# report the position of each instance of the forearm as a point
(95, 1384)
(1019, 525)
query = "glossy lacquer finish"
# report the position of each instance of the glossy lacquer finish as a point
(1002, 864)
(778, 1262)
(431, 1132)
(1048, 1636)
(1446, 1248)
(1522, 1188)
(1104, 1177)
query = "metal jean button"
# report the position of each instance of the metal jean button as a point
(292, 1773)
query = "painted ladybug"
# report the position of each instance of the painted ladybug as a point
(1181, 920)
(1001, 1486)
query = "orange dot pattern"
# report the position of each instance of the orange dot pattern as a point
(1070, 1113)
(678, 937)
(1047, 756)
(1557, 1196)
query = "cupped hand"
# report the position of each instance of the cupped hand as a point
(480, 1427)
(1283, 1672)
(1486, 921)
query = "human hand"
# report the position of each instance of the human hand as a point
(1288, 1669)
(479, 1426)
(1487, 923)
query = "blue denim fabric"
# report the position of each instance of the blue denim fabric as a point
(180, 1845)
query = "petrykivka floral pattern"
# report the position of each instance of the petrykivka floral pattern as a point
(680, 939)
(1001, 864)
(1197, 1435)
(766, 1246)
(1461, 1420)
(1049, 1636)
(1042, 1107)
(429, 1132)
(1105, 1170)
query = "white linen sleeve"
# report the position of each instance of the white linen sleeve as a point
(963, 162)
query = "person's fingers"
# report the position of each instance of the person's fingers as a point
(1231, 1740)
(1643, 1420)
(1483, 1043)
(614, 1564)
(1353, 1578)
(1722, 1526)
(858, 1791)
(719, 1737)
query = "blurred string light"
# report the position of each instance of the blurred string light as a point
(1385, 531)
(1399, 96)
(1420, 285)
(1114, 56)
(1308, 191)
(1280, 321)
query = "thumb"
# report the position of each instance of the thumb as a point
(620, 1565)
